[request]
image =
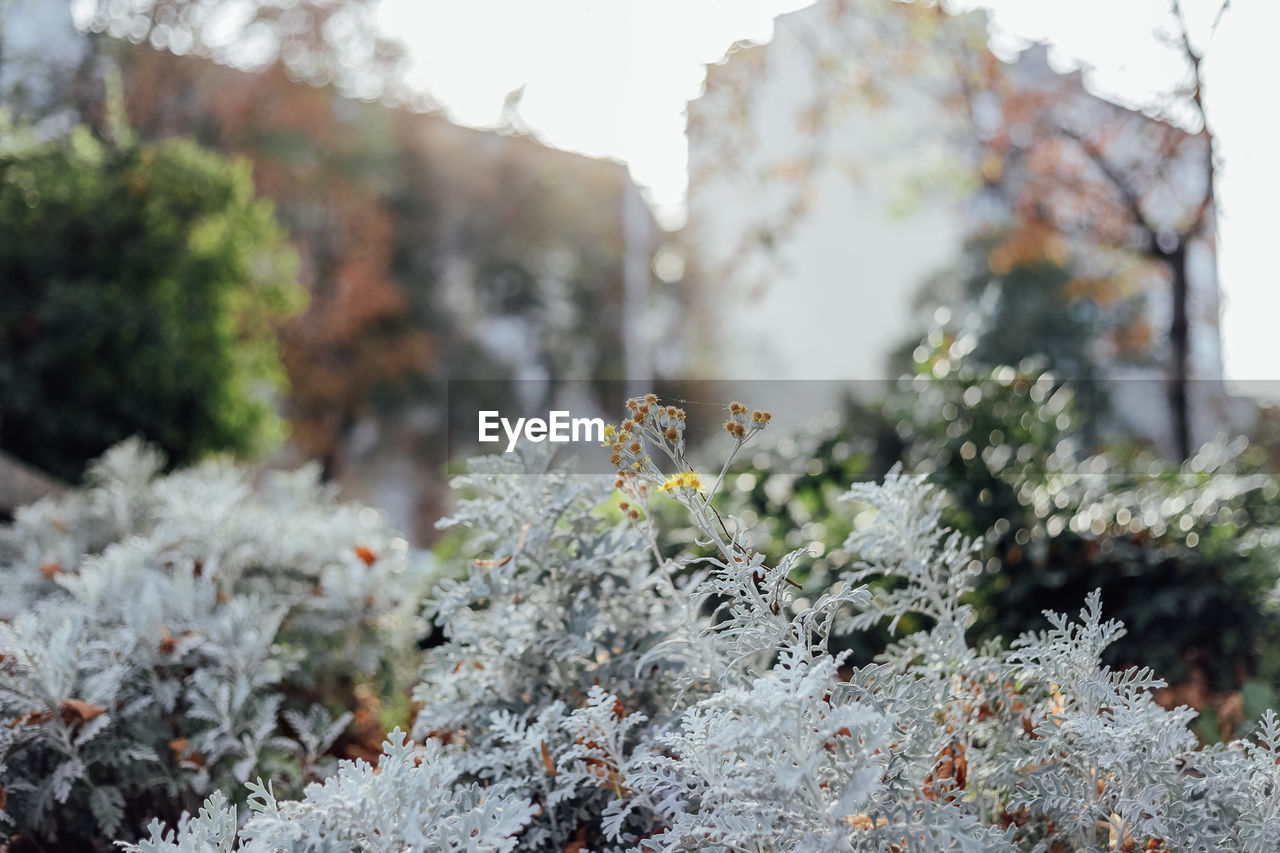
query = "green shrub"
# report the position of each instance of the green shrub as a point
(141, 284)
(1184, 554)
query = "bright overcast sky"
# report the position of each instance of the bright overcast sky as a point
(611, 78)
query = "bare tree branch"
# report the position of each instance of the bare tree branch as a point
(1128, 194)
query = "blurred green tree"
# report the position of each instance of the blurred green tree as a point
(1038, 309)
(142, 284)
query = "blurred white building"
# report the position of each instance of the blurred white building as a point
(828, 185)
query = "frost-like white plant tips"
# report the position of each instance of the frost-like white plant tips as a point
(589, 689)
(159, 635)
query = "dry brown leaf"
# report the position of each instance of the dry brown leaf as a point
(1123, 841)
(950, 772)
(77, 710)
(1059, 706)
(32, 718)
(502, 561)
(182, 751)
(167, 642)
(579, 841)
(547, 762)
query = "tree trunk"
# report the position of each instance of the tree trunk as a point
(1179, 379)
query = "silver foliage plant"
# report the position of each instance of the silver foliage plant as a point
(593, 695)
(413, 800)
(154, 627)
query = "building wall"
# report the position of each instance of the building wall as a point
(860, 228)
(838, 292)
